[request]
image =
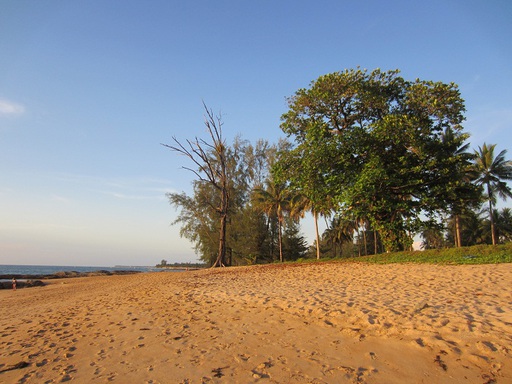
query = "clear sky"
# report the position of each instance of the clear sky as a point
(90, 88)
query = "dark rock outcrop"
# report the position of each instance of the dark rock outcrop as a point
(25, 281)
(21, 284)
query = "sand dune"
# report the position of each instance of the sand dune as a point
(317, 323)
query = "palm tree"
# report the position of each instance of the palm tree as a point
(274, 201)
(340, 231)
(492, 173)
(301, 204)
(433, 238)
(503, 224)
(475, 230)
(466, 194)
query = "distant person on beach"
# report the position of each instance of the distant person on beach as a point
(13, 283)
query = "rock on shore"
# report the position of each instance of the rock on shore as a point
(26, 281)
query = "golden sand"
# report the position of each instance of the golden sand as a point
(316, 323)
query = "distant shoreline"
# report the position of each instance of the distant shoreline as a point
(37, 280)
(182, 268)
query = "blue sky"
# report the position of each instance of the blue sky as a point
(89, 90)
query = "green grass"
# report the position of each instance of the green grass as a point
(477, 254)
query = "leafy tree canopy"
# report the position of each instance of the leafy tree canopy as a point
(374, 146)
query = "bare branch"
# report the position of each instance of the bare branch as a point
(211, 162)
(198, 155)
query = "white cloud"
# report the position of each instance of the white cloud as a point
(9, 108)
(60, 199)
(134, 197)
(126, 188)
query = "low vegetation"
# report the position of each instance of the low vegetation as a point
(477, 254)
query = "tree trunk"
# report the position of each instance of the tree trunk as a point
(315, 215)
(222, 243)
(280, 239)
(458, 239)
(221, 257)
(491, 218)
(365, 241)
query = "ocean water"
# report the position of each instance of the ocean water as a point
(49, 269)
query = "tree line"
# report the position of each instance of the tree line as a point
(380, 158)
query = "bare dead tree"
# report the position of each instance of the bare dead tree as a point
(211, 160)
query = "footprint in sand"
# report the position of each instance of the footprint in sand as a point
(486, 346)
(244, 357)
(42, 362)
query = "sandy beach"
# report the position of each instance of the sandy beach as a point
(315, 323)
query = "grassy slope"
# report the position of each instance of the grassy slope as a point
(478, 254)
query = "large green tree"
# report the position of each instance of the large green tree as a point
(493, 172)
(373, 143)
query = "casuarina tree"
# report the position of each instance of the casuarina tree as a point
(211, 162)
